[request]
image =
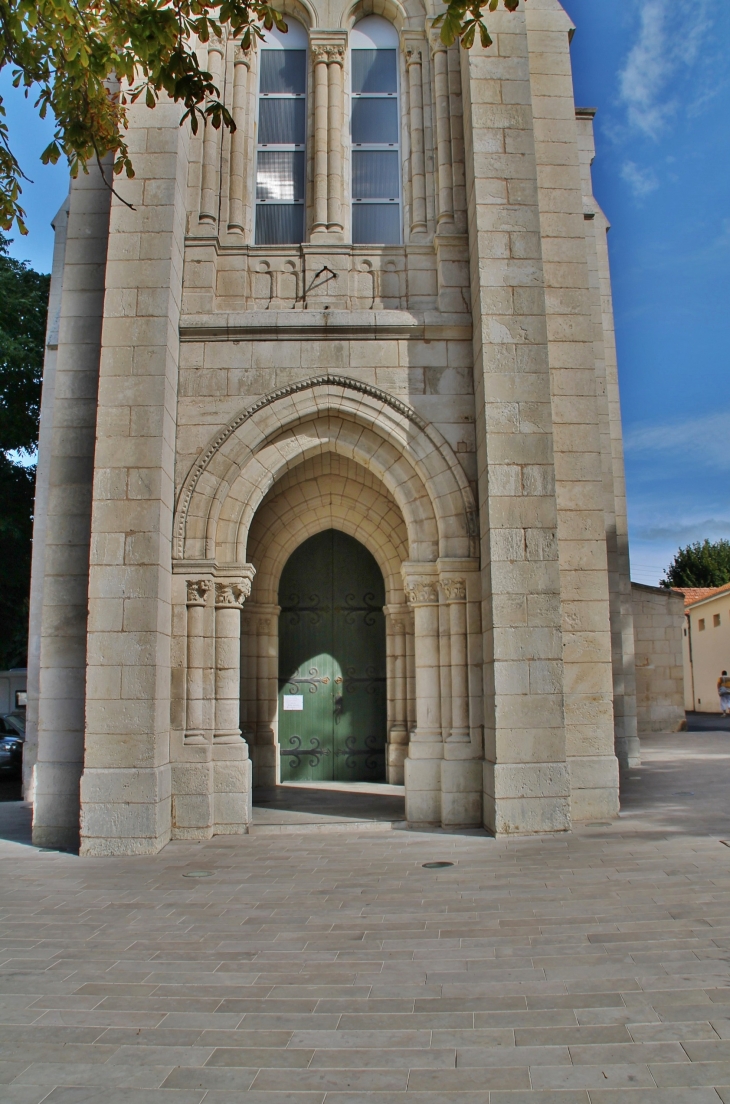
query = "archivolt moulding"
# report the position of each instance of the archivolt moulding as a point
(416, 440)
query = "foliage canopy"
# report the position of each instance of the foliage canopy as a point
(87, 60)
(702, 564)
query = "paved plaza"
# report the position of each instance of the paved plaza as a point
(332, 967)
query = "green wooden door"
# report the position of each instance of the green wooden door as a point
(332, 687)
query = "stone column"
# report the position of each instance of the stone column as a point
(40, 509)
(321, 135)
(581, 528)
(248, 678)
(266, 693)
(604, 343)
(125, 788)
(455, 591)
(425, 752)
(414, 64)
(462, 768)
(336, 55)
(398, 735)
(526, 777)
(231, 763)
(197, 591)
(239, 143)
(445, 219)
(210, 181)
(229, 598)
(60, 584)
(456, 130)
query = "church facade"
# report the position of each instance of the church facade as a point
(330, 480)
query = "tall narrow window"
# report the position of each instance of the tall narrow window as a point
(375, 130)
(281, 140)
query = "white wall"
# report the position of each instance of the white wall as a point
(710, 650)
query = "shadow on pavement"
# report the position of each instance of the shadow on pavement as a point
(707, 722)
(683, 784)
(15, 821)
(333, 802)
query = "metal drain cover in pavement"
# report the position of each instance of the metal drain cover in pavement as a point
(600, 824)
(198, 874)
(683, 793)
(437, 865)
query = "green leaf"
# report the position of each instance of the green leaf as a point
(484, 35)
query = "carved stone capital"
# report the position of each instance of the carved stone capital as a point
(232, 593)
(413, 57)
(336, 54)
(329, 47)
(421, 592)
(243, 57)
(197, 590)
(454, 589)
(320, 52)
(217, 43)
(398, 627)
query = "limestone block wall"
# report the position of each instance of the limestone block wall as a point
(585, 616)
(451, 401)
(42, 493)
(58, 646)
(658, 627)
(612, 464)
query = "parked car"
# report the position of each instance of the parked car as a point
(15, 721)
(12, 738)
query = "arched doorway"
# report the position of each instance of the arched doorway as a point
(332, 663)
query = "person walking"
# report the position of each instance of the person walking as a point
(723, 689)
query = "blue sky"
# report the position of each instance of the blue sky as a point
(659, 73)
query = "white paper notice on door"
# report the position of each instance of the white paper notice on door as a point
(293, 703)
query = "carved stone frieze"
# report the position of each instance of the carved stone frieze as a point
(197, 591)
(454, 589)
(421, 592)
(232, 593)
(328, 52)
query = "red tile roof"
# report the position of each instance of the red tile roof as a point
(698, 594)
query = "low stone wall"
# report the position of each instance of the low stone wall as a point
(658, 627)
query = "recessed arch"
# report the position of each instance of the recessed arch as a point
(242, 461)
(326, 492)
(392, 10)
(301, 10)
(295, 37)
(373, 32)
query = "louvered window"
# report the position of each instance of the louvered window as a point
(375, 133)
(281, 137)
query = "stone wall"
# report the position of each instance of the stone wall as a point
(450, 401)
(658, 627)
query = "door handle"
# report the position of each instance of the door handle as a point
(338, 708)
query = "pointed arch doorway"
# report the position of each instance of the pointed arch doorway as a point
(332, 663)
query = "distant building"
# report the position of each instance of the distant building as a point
(12, 689)
(706, 645)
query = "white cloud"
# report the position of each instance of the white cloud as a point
(700, 440)
(671, 37)
(684, 532)
(641, 181)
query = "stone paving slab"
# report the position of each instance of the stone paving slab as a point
(333, 968)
